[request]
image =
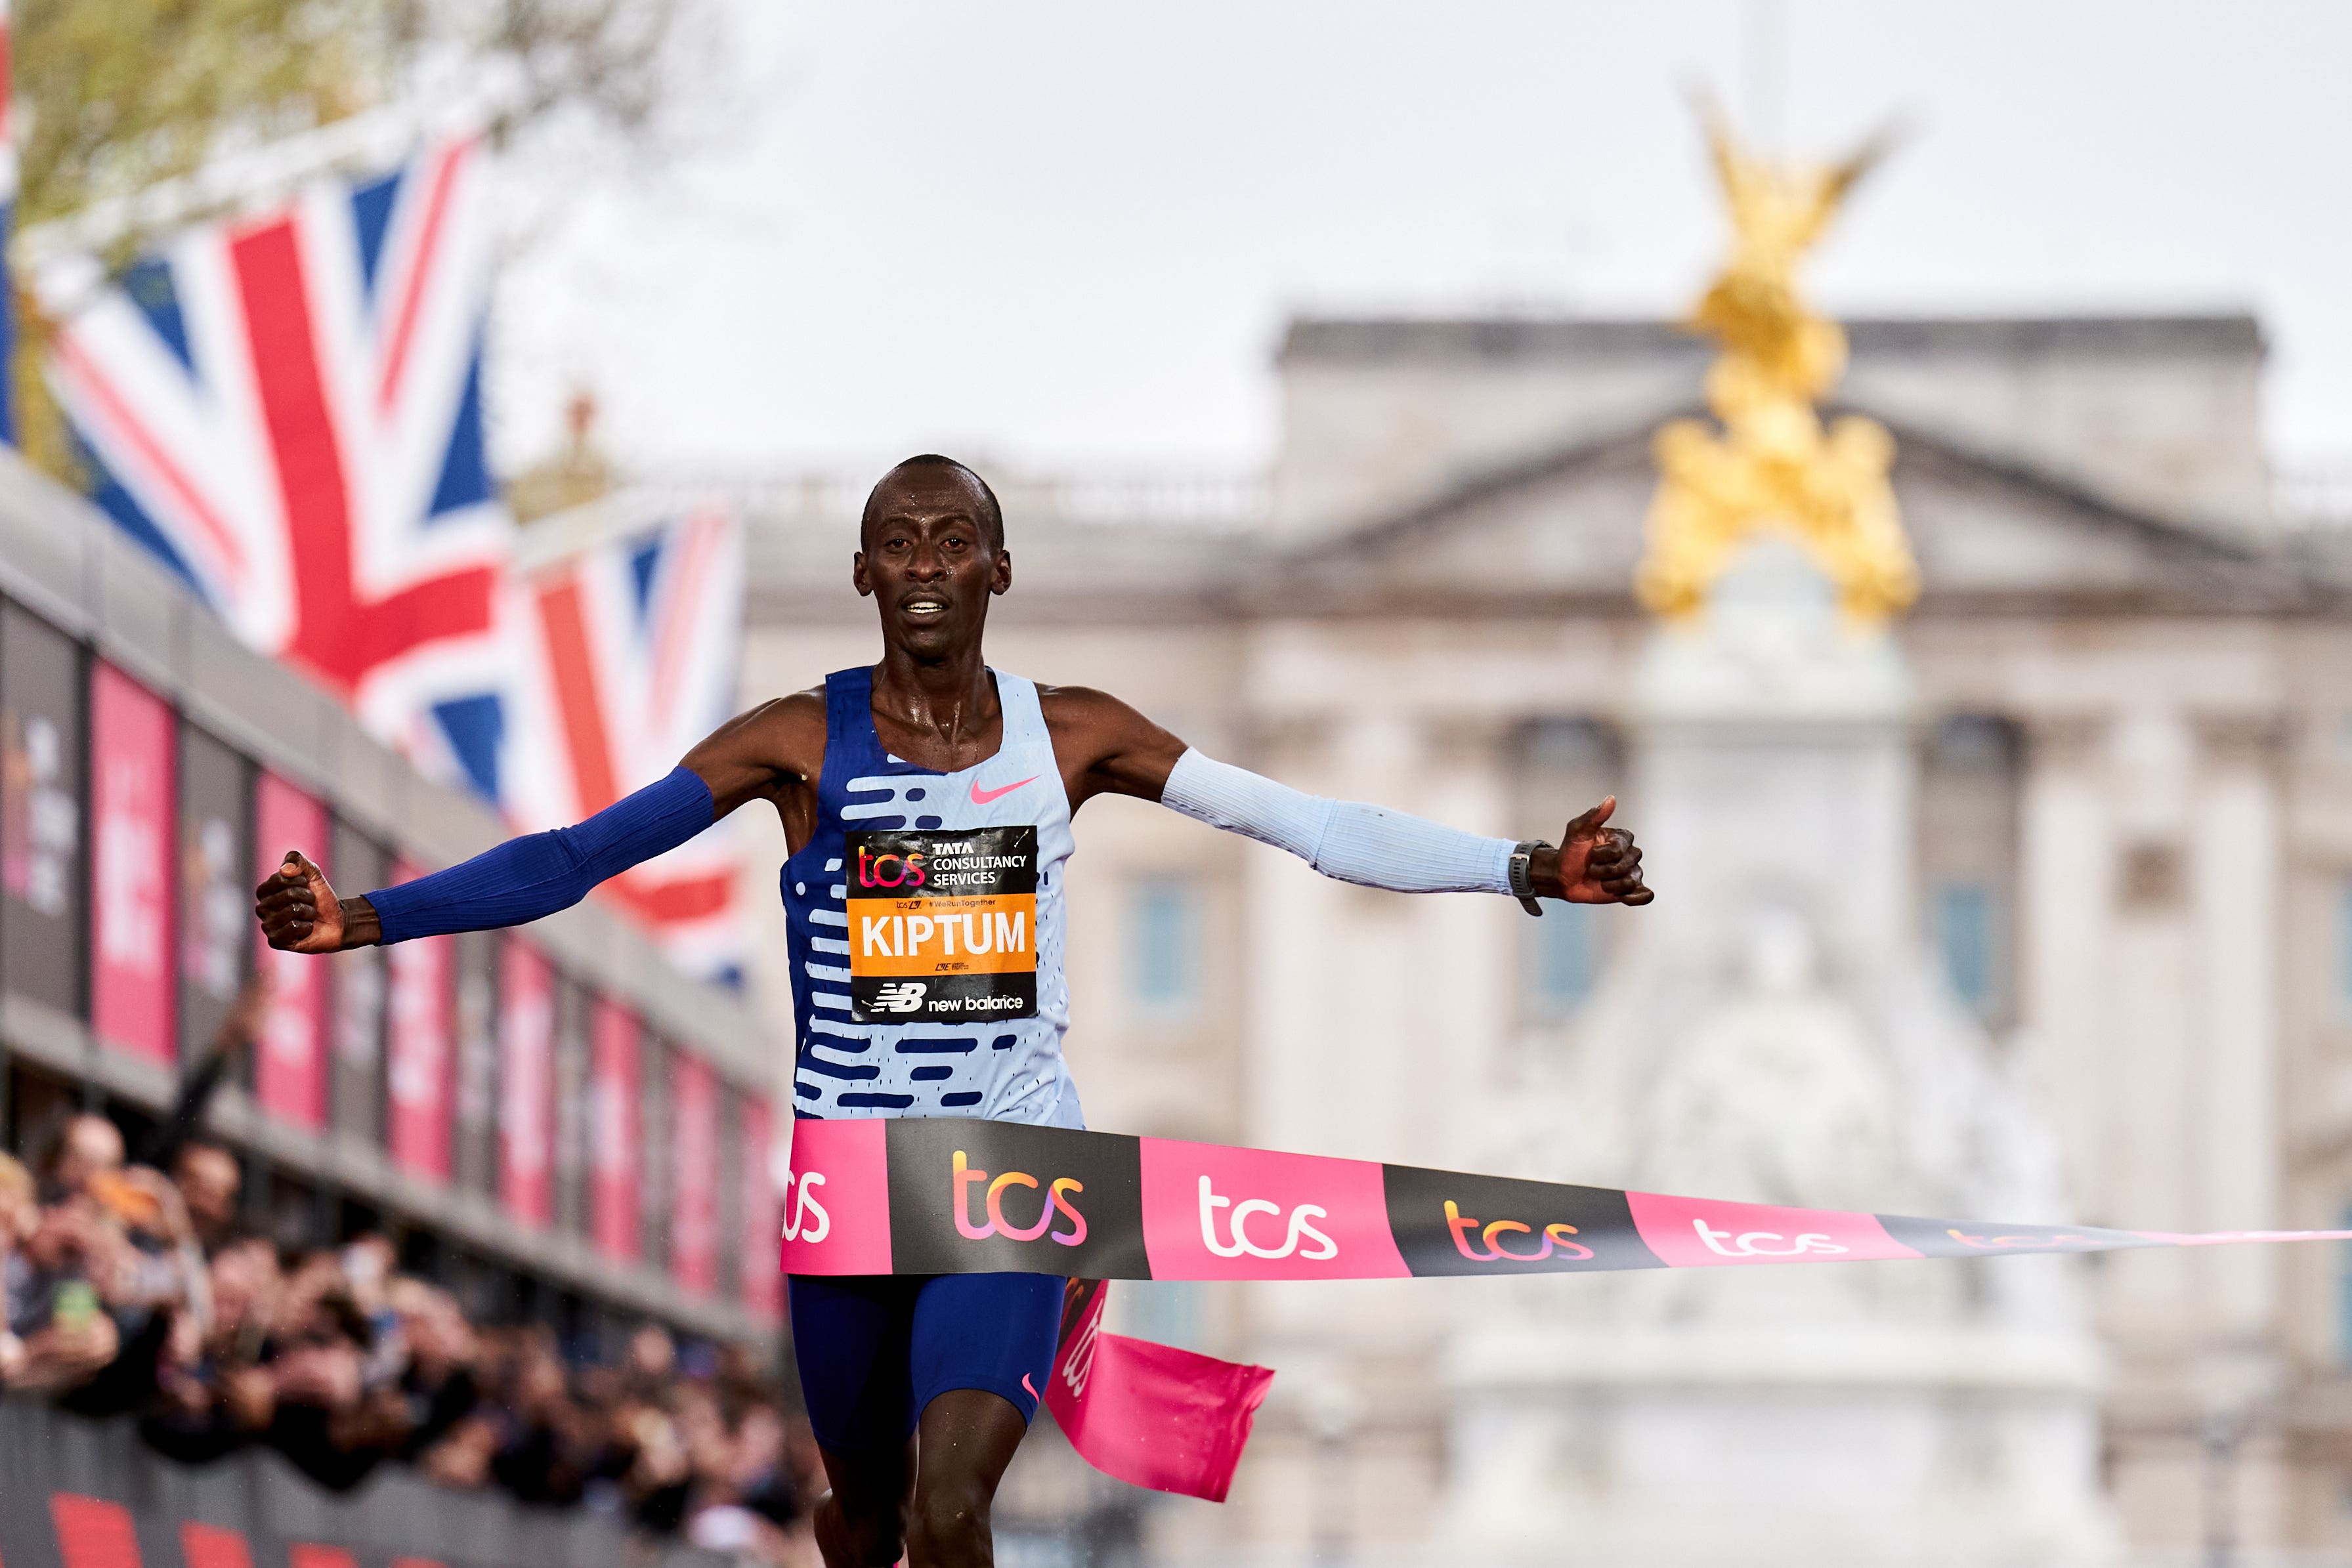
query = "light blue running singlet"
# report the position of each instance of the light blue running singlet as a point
(925, 925)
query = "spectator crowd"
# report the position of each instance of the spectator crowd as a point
(132, 1289)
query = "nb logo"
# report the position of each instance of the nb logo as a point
(1238, 1221)
(1754, 1243)
(900, 996)
(809, 1221)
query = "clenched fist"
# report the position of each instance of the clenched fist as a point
(300, 913)
(1594, 863)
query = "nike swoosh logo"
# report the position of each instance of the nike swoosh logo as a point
(981, 797)
(1024, 1377)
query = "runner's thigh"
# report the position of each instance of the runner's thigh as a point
(850, 1338)
(991, 1332)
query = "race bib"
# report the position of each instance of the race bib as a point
(942, 925)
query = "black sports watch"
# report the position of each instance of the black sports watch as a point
(1522, 875)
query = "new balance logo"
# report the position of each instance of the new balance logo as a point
(900, 996)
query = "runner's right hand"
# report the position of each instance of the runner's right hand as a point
(298, 908)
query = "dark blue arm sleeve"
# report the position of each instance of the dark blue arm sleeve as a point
(540, 873)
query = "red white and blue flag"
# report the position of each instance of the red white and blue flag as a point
(286, 408)
(626, 656)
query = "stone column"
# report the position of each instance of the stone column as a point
(2236, 892)
(2064, 930)
(1460, 1026)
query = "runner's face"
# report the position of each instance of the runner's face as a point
(928, 566)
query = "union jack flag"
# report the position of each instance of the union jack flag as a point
(286, 409)
(626, 656)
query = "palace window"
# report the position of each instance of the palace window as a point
(1164, 943)
(1964, 920)
(1971, 787)
(1563, 959)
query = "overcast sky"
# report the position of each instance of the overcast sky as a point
(1068, 233)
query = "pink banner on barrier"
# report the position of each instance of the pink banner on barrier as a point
(837, 1199)
(1701, 1233)
(1211, 1212)
(306, 1554)
(132, 807)
(526, 1084)
(209, 1546)
(422, 1052)
(613, 1069)
(93, 1532)
(694, 1160)
(289, 1072)
(761, 1238)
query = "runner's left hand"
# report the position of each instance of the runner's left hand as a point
(1594, 863)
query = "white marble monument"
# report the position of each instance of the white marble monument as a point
(1776, 1032)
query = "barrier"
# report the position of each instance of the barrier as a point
(77, 1493)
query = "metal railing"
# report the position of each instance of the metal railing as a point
(256, 1494)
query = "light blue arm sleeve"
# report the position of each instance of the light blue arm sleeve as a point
(1347, 840)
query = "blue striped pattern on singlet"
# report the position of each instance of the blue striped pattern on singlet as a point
(1005, 1069)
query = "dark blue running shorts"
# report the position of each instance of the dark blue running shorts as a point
(874, 1350)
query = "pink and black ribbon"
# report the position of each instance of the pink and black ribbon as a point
(948, 1196)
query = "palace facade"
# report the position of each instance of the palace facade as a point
(2133, 829)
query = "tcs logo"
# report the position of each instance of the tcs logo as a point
(808, 1220)
(1764, 1243)
(1299, 1228)
(1057, 1203)
(1994, 1243)
(1554, 1238)
(888, 870)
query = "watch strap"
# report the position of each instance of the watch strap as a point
(1522, 873)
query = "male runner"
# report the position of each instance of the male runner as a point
(931, 782)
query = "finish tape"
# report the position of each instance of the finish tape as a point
(948, 1196)
(954, 1197)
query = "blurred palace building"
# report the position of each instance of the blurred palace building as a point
(2125, 795)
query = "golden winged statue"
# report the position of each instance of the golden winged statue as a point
(1772, 468)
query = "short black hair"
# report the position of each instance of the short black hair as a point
(992, 514)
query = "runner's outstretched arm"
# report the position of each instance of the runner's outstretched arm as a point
(766, 754)
(1120, 752)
